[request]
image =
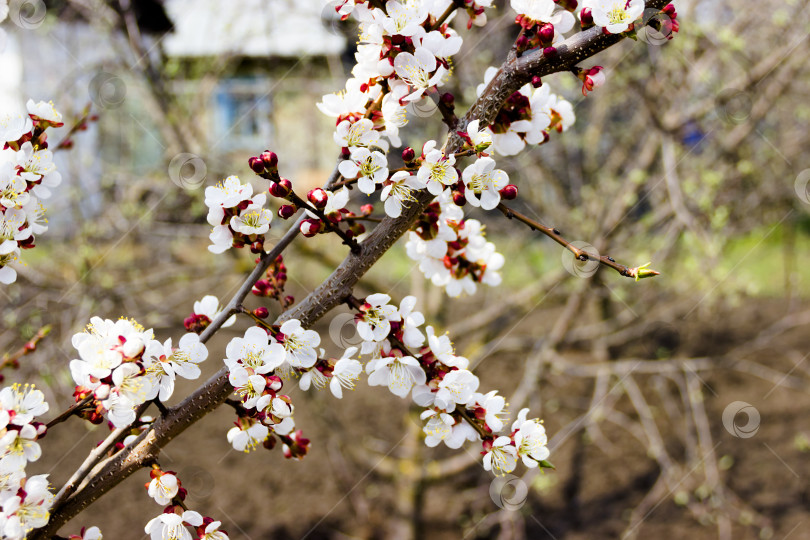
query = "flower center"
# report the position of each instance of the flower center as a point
(369, 167)
(480, 182)
(618, 14)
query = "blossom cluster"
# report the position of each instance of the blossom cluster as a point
(24, 501)
(121, 366)
(238, 217)
(527, 117)
(426, 367)
(205, 311)
(272, 285)
(175, 521)
(256, 362)
(453, 252)
(25, 180)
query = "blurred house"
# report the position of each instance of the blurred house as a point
(237, 77)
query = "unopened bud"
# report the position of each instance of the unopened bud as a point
(537, 82)
(367, 209)
(256, 164)
(509, 192)
(311, 227)
(459, 199)
(281, 189)
(549, 51)
(270, 160)
(546, 33)
(261, 312)
(318, 198)
(586, 17)
(408, 154)
(448, 99)
(286, 211)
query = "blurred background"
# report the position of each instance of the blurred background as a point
(676, 406)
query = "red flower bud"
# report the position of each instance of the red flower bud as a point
(549, 51)
(586, 17)
(318, 198)
(509, 192)
(256, 164)
(459, 199)
(546, 33)
(408, 154)
(367, 209)
(261, 312)
(286, 211)
(448, 99)
(270, 160)
(311, 227)
(281, 189)
(537, 82)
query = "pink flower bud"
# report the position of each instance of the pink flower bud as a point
(286, 211)
(459, 199)
(549, 51)
(537, 82)
(448, 99)
(408, 154)
(261, 312)
(318, 198)
(509, 192)
(367, 209)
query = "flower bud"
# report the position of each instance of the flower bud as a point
(549, 51)
(459, 199)
(586, 17)
(408, 154)
(261, 312)
(311, 227)
(448, 99)
(257, 246)
(286, 211)
(318, 198)
(281, 189)
(509, 192)
(270, 160)
(367, 209)
(288, 301)
(256, 164)
(546, 33)
(537, 82)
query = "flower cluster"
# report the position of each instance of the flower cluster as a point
(272, 286)
(615, 16)
(121, 366)
(205, 311)
(428, 369)
(25, 181)
(238, 217)
(175, 521)
(453, 252)
(527, 117)
(24, 501)
(253, 362)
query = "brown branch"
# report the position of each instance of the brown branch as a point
(580, 254)
(70, 411)
(335, 289)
